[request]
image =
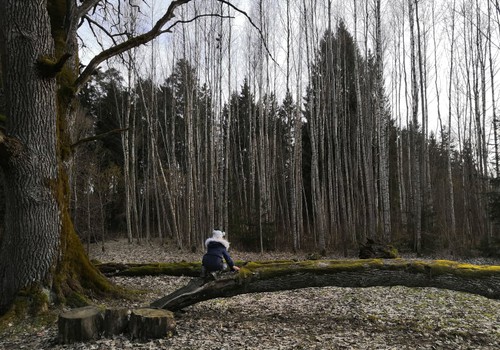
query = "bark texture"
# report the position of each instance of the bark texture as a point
(30, 172)
(39, 249)
(151, 324)
(115, 321)
(286, 275)
(80, 325)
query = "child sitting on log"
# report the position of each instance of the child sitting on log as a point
(217, 257)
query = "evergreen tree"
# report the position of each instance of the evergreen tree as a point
(334, 146)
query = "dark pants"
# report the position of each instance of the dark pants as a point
(212, 263)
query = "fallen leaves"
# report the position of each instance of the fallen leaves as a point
(310, 318)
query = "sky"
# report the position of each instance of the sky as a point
(246, 57)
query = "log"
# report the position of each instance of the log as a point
(191, 269)
(80, 325)
(116, 321)
(272, 276)
(149, 323)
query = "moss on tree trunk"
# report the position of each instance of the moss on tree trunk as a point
(39, 231)
(271, 276)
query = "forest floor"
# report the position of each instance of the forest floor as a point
(310, 318)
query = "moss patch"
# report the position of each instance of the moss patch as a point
(443, 267)
(270, 269)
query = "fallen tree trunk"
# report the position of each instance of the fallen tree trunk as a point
(272, 276)
(191, 269)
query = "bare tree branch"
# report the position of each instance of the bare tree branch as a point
(169, 29)
(228, 3)
(105, 31)
(128, 44)
(84, 8)
(97, 137)
(153, 33)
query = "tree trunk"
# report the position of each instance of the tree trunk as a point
(270, 276)
(383, 130)
(449, 174)
(32, 218)
(416, 200)
(39, 248)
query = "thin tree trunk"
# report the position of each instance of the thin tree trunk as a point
(414, 132)
(383, 129)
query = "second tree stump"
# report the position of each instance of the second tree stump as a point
(149, 323)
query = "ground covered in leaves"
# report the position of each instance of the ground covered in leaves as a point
(311, 318)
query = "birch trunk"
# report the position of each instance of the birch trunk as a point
(382, 116)
(415, 162)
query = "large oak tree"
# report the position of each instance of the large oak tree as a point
(39, 250)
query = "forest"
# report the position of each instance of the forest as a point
(341, 123)
(301, 128)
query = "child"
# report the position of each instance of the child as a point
(213, 260)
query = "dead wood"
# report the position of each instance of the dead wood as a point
(191, 269)
(148, 324)
(286, 275)
(79, 325)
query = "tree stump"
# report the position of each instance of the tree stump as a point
(116, 321)
(79, 325)
(149, 323)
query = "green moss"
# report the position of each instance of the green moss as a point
(440, 267)
(75, 299)
(40, 302)
(30, 303)
(393, 252)
(269, 269)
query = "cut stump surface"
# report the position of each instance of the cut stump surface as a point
(79, 325)
(149, 323)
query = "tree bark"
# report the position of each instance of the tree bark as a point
(80, 325)
(148, 324)
(256, 277)
(39, 249)
(383, 131)
(32, 212)
(415, 191)
(115, 321)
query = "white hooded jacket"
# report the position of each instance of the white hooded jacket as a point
(217, 236)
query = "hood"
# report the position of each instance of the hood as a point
(217, 240)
